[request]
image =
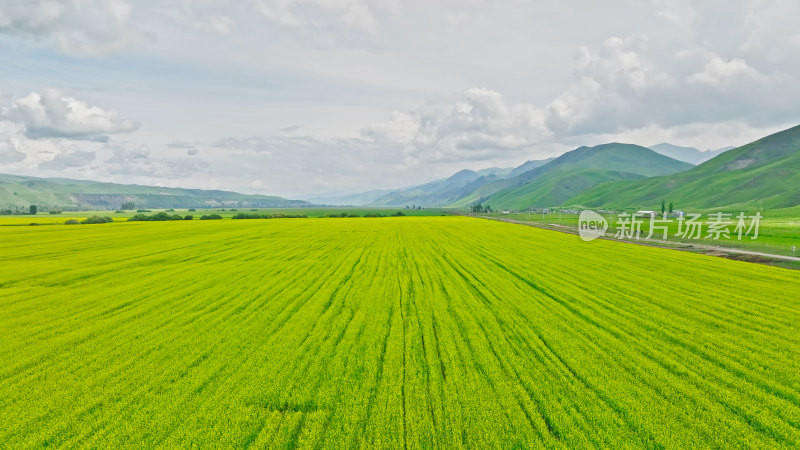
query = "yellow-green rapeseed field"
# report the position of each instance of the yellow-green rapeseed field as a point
(405, 332)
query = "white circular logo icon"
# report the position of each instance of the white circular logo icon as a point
(591, 225)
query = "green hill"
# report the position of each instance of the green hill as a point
(579, 170)
(762, 174)
(21, 191)
(553, 190)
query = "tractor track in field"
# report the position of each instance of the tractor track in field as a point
(389, 333)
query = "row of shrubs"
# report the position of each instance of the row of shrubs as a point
(251, 216)
(89, 220)
(344, 214)
(163, 216)
(268, 216)
(158, 217)
(397, 214)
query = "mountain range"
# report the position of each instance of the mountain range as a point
(21, 191)
(761, 174)
(581, 169)
(538, 182)
(620, 175)
(467, 186)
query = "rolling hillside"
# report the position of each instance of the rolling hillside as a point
(761, 174)
(582, 169)
(21, 191)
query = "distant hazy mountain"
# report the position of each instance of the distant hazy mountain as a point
(529, 165)
(538, 183)
(454, 189)
(359, 199)
(22, 191)
(500, 172)
(436, 193)
(761, 174)
(687, 154)
(579, 170)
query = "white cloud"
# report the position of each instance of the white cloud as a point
(68, 159)
(54, 114)
(771, 28)
(476, 124)
(204, 15)
(388, 93)
(473, 125)
(401, 127)
(678, 12)
(294, 13)
(609, 86)
(10, 151)
(75, 27)
(718, 71)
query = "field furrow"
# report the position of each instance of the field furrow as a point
(407, 332)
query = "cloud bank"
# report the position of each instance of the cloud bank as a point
(305, 97)
(54, 114)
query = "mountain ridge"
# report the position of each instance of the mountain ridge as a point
(752, 174)
(20, 191)
(581, 169)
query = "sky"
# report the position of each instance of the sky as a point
(300, 98)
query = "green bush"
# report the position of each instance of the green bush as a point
(188, 217)
(211, 217)
(252, 216)
(157, 217)
(71, 222)
(97, 219)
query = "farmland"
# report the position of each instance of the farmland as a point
(779, 229)
(43, 218)
(387, 332)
